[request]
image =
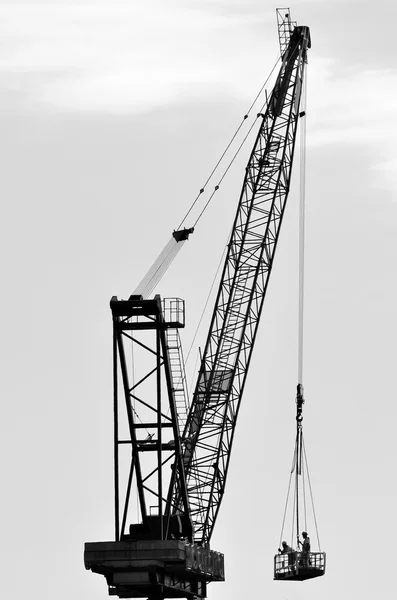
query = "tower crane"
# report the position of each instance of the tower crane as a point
(176, 456)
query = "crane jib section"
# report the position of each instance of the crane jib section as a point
(210, 426)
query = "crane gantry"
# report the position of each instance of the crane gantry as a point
(177, 457)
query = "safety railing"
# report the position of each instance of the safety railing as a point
(174, 311)
(299, 565)
(203, 560)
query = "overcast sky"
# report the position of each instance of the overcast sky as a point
(112, 116)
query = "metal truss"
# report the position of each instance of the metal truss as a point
(210, 427)
(147, 439)
(285, 28)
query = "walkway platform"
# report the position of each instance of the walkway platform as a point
(154, 568)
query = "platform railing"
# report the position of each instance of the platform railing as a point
(290, 564)
(204, 560)
(174, 311)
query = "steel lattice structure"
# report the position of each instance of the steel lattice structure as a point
(285, 27)
(161, 548)
(209, 431)
(150, 428)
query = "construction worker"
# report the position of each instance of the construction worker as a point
(286, 549)
(290, 552)
(305, 560)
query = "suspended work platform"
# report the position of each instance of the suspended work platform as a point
(298, 566)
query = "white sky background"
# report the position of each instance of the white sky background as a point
(112, 116)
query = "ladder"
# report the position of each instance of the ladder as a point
(178, 376)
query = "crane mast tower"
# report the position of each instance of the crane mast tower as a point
(177, 459)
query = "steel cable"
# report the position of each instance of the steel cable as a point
(285, 509)
(311, 496)
(293, 521)
(235, 155)
(302, 230)
(304, 491)
(206, 302)
(226, 170)
(225, 151)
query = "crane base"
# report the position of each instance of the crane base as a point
(154, 569)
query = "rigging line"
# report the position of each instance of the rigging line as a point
(230, 164)
(302, 228)
(294, 460)
(235, 155)
(229, 144)
(138, 418)
(297, 487)
(207, 300)
(227, 168)
(285, 509)
(293, 523)
(300, 451)
(311, 496)
(263, 86)
(193, 379)
(304, 492)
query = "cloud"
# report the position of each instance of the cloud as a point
(352, 106)
(385, 174)
(132, 57)
(356, 108)
(120, 56)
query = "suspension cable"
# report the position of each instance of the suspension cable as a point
(227, 168)
(163, 262)
(293, 522)
(302, 226)
(238, 150)
(285, 509)
(304, 492)
(311, 496)
(194, 371)
(297, 470)
(227, 148)
(166, 257)
(206, 302)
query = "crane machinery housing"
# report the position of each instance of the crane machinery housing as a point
(177, 456)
